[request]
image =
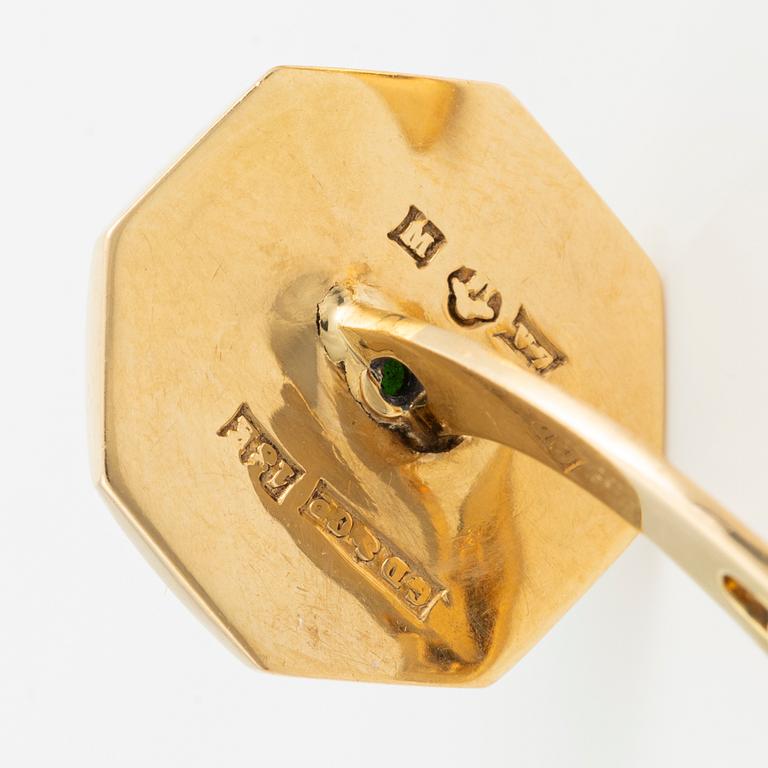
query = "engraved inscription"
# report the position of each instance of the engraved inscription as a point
(377, 559)
(558, 448)
(418, 236)
(529, 340)
(470, 299)
(278, 472)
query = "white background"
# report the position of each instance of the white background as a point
(662, 105)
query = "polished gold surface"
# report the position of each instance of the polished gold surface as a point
(328, 539)
(470, 391)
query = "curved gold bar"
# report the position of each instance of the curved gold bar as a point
(473, 392)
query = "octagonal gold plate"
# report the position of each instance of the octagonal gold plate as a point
(317, 541)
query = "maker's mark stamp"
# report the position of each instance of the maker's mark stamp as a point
(382, 565)
(278, 472)
(418, 237)
(529, 340)
(470, 298)
(386, 568)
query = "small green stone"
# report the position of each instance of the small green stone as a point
(392, 377)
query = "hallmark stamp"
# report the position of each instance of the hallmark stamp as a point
(470, 299)
(387, 569)
(529, 340)
(418, 237)
(278, 472)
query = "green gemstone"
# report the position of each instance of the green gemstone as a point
(392, 377)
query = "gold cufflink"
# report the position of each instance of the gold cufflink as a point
(379, 382)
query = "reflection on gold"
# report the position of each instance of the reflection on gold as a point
(421, 105)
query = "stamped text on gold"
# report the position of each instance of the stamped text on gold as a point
(279, 473)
